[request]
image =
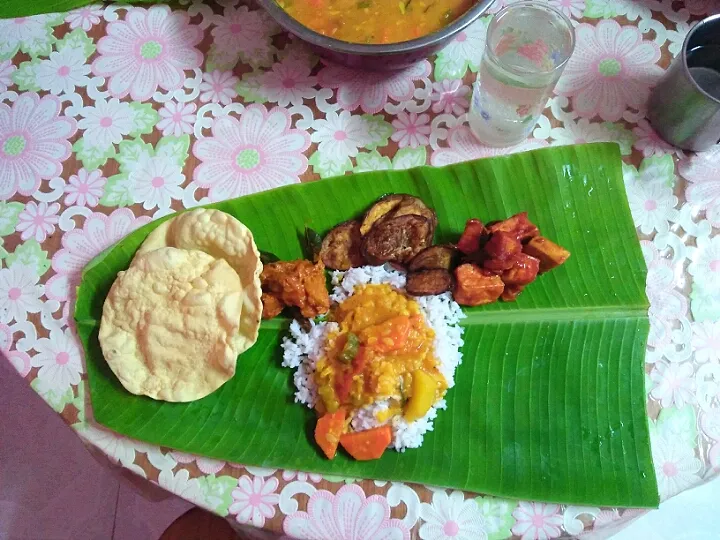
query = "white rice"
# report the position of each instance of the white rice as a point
(302, 350)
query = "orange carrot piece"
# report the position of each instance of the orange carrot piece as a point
(368, 444)
(328, 431)
(399, 331)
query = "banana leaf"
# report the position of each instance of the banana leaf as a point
(549, 402)
(24, 8)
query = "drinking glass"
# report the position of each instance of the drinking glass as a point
(526, 49)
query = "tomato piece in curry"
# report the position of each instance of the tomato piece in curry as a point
(375, 21)
(382, 350)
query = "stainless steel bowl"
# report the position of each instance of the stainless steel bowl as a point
(376, 57)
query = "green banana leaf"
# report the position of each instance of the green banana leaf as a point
(24, 8)
(549, 402)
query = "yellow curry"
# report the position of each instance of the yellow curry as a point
(375, 21)
(383, 349)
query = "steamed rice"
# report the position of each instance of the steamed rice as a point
(302, 350)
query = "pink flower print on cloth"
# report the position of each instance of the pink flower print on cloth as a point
(411, 129)
(105, 122)
(371, 90)
(151, 48)
(79, 246)
(218, 87)
(452, 517)
(177, 118)
(59, 360)
(702, 171)
(254, 500)
(570, 8)
(346, 515)
(206, 465)
(288, 82)
(38, 220)
(85, 17)
(260, 151)
(612, 68)
(33, 143)
(19, 293)
(6, 71)
(450, 97)
(18, 359)
(85, 188)
(537, 521)
(463, 146)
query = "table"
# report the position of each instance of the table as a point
(99, 112)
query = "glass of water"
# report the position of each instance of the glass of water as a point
(526, 49)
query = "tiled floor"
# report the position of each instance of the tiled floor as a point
(52, 488)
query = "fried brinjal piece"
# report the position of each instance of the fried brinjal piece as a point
(472, 236)
(434, 257)
(428, 282)
(548, 252)
(518, 225)
(342, 247)
(413, 206)
(475, 286)
(379, 210)
(397, 240)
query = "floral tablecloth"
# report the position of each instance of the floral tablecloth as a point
(111, 116)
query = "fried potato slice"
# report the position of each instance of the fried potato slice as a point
(428, 282)
(475, 286)
(342, 247)
(518, 225)
(548, 252)
(511, 292)
(524, 270)
(379, 210)
(397, 240)
(434, 257)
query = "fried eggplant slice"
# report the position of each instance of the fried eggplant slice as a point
(471, 237)
(413, 206)
(518, 225)
(434, 257)
(272, 306)
(428, 282)
(475, 286)
(397, 240)
(341, 248)
(524, 270)
(379, 210)
(548, 252)
(511, 292)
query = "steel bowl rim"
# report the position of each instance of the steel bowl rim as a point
(374, 49)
